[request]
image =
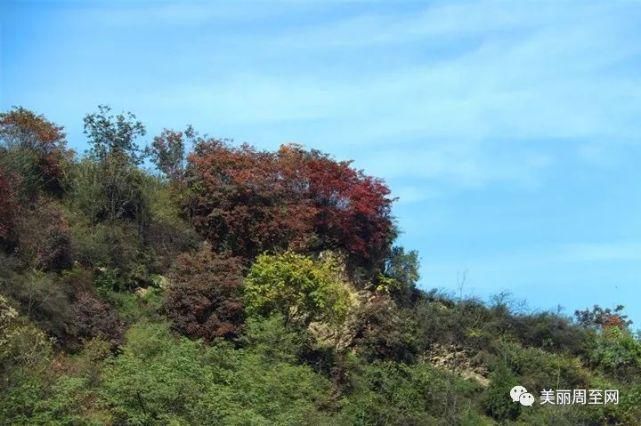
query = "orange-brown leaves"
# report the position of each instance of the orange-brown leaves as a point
(250, 201)
(36, 149)
(204, 299)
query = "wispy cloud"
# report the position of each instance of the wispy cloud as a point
(125, 14)
(466, 85)
(534, 72)
(595, 252)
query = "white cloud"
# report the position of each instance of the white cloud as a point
(537, 73)
(596, 252)
(460, 92)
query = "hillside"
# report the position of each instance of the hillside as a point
(229, 285)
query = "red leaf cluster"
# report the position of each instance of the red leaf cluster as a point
(23, 129)
(95, 318)
(614, 321)
(204, 299)
(250, 201)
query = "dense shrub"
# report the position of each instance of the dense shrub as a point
(156, 379)
(273, 339)
(35, 149)
(25, 352)
(161, 380)
(388, 393)
(22, 345)
(264, 384)
(8, 208)
(127, 218)
(95, 318)
(384, 332)
(617, 352)
(113, 249)
(497, 402)
(539, 369)
(42, 299)
(62, 306)
(299, 288)
(550, 331)
(476, 324)
(45, 240)
(204, 299)
(442, 320)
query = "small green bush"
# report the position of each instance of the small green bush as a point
(618, 353)
(300, 288)
(497, 402)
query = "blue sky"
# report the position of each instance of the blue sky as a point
(511, 131)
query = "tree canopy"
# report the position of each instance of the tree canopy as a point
(250, 201)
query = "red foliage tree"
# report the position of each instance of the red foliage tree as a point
(250, 201)
(204, 299)
(95, 318)
(354, 210)
(41, 145)
(240, 202)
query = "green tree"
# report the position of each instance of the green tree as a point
(114, 135)
(617, 352)
(167, 151)
(111, 187)
(400, 274)
(300, 288)
(498, 402)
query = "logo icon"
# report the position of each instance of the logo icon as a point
(526, 399)
(520, 394)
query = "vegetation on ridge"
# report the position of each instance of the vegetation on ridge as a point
(230, 285)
